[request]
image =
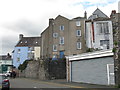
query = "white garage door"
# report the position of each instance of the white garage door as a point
(91, 71)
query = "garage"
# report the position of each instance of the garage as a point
(91, 68)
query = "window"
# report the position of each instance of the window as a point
(78, 33)
(61, 40)
(30, 48)
(78, 23)
(104, 43)
(30, 55)
(54, 47)
(61, 27)
(78, 45)
(55, 35)
(18, 59)
(18, 50)
(103, 28)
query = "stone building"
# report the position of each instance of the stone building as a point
(63, 37)
(115, 17)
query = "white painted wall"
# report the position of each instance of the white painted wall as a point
(37, 52)
(99, 37)
(88, 35)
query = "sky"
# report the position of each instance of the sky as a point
(31, 17)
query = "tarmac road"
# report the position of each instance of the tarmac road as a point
(33, 83)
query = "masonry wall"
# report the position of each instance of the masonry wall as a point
(44, 70)
(35, 70)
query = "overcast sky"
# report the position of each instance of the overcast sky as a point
(31, 17)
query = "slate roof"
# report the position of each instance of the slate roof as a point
(98, 13)
(79, 18)
(29, 42)
(99, 19)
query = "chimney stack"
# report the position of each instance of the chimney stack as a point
(51, 21)
(20, 36)
(85, 14)
(113, 13)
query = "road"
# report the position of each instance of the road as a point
(32, 83)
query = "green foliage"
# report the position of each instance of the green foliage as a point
(117, 86)
(115, 43)
(114, 50)
(89, 50)
(23, 66)
(114, 31)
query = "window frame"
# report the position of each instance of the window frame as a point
(61, 41)
(77, 33)
(55, 35)
(80, 45)
(61, 27)
(78, 23)
(54, 47)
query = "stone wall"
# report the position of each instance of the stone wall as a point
(44, 70)
(35, 70)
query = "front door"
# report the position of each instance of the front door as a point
(61, 54)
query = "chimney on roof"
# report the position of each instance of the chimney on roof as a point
(85, 15)
(20, 36)
(113, 13)
(51, 21)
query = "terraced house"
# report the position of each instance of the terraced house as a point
(99, 33)
(63, 37)
(27, 48)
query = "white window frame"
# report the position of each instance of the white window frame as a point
(19, 50)
(103, 28)
(79, 45)
(54, 47)
(62, 40)
(61, 27)
(55, 35)
(77, 32)
(18, 59)
(78, 23)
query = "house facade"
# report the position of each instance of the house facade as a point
(26, 49)
(5, 63)
(99, 32)
(63, 37)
